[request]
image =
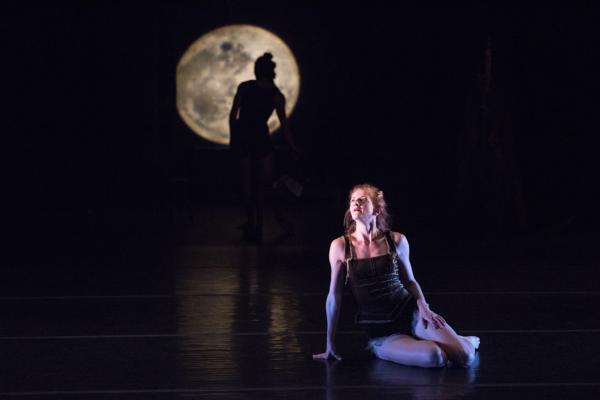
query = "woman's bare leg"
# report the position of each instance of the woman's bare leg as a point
(406, 350)
(459, 349)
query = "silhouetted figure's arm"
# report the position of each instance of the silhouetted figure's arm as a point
(280, 110)
(233, 114)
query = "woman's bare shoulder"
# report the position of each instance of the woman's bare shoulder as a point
(337, 248)
(399, 238)
(338, 243)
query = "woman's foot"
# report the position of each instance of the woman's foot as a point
(374, 344)
(474, 340)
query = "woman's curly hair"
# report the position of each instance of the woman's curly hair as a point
(376, 197)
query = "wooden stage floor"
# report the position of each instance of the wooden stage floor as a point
(218, 319)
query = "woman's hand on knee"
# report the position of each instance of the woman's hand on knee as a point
(429, 317)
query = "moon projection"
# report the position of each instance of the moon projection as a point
(211, 69)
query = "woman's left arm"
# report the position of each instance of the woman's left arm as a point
(411, 284)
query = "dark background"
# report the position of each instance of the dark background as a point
(93, 141)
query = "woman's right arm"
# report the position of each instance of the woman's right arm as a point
(334, 297)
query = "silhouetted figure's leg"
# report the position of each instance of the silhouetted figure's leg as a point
(262, 183)
(246, 175)
(280, 216)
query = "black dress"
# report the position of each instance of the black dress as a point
(250, 133)
(385, 306)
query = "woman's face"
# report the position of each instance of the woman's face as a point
(361, 206)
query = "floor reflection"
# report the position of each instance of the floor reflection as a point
(245, 316)
(414, 383)
(202, 321)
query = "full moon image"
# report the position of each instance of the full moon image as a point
(211, 69)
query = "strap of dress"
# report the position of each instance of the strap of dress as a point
(393, 253)
(347, 255)
(390, 241)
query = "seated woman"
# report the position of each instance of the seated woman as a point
(392, 308)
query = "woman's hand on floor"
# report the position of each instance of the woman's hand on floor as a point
(329, 354)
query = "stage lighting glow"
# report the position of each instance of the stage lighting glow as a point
(213, 66)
